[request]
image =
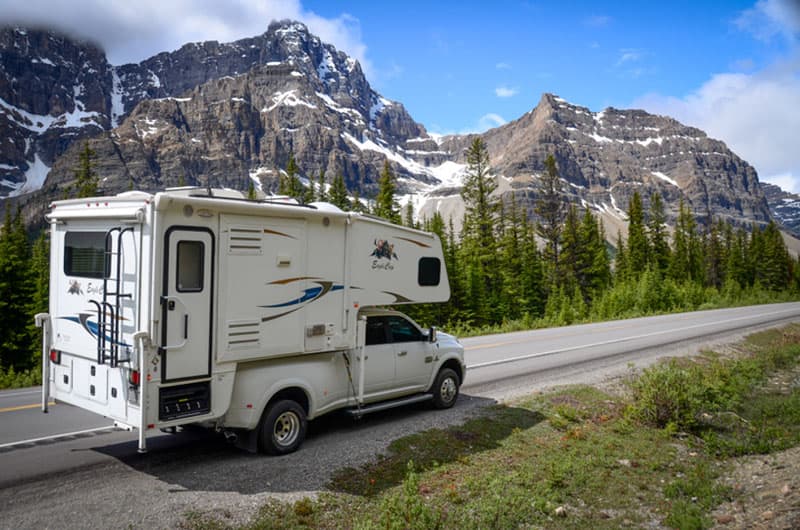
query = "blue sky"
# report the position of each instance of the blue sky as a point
(730, 67)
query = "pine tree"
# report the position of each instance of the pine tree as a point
(573, 253)
(338, 193)
(409, 215)
(40, 289)
(598, 267)
(620, 260)
(86, 180)
(638, 251)
(551, 210)
(290, 184)
(385, 203)
(321, 194)
(15, 294)
(657, 234)
(478, 240)
(251, 191)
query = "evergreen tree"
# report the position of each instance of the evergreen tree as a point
(251, 191)
(86, 180)
(358, 206)
(478, 241)
(321, 194)
(597, 275)
(687, 258)
(40, 288)
(338, 193)
(657, 234)
(385, 203)
(620, 260)
(15, 294)
(551, 210)
(409, 215)
(573, 253)
(290, 184)
(773, 269)
(713, 255)
(638, 251)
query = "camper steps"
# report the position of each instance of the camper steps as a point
(384, 405)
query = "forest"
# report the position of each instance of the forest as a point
(506, 272)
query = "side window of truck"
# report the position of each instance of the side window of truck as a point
(402, 330)
(376, 331)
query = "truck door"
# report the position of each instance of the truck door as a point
(413, 353)
(186, 304)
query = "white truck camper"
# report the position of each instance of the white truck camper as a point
(198, 306)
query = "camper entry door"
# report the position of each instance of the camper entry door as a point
(186, 304)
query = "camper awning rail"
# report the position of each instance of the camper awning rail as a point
(129, 214)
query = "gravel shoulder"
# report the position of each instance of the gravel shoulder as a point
(206, 476)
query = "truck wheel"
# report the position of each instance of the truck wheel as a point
(283, 428)
(445, 389)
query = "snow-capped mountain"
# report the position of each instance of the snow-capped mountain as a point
(231, 114)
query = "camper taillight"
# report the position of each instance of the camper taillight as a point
(55, 356)
(134, 379)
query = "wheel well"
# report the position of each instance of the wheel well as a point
(296, 394)
(456, 367)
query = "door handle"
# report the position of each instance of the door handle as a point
(186, 326)
(402, 354)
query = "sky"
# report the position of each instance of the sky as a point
(729, 67)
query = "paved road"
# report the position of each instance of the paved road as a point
(105, 462)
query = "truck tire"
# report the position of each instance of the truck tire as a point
(283, 428)
(445, 389)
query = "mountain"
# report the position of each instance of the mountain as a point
(784, 206)
(231, 114)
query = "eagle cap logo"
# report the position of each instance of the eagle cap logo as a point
(384, 250)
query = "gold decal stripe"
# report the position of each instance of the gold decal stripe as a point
(273, 232)
(419, 244)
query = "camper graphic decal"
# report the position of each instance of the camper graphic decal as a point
(309, 295)
(91, 327)
(384, 250)
(74, 287)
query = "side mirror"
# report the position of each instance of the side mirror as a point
(432, 334)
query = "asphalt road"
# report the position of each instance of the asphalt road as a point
(56, 466)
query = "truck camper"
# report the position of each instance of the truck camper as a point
(198, 306)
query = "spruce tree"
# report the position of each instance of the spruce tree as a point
(638, 251)
(551, 211)
(321, 194)
(16, 291)
(657, 234)
(478, 235)
(385, 202)
(86, 180)
(409, 215)
(338, 193)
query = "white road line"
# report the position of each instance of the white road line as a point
(37, 392)
(623, 339)
(56, 436)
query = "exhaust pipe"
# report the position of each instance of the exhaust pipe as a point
(230, 437)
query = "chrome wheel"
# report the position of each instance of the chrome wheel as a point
(286, 429)
(448, 390)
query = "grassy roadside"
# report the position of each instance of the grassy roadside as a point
(647, 455)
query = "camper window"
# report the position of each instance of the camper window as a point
(190, 266)
(429, 271)
(85, 254)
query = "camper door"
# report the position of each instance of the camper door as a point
(186, 304)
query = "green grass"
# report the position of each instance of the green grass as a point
(578, 457)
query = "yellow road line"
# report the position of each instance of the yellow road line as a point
(23, 407)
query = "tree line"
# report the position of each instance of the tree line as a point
(505, 271)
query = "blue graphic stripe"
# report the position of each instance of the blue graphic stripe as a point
(308, 294)
(92, 328)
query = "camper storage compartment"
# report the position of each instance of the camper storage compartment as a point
(182, 401)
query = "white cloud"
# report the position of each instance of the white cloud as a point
(133, 31)
(756, 115)
(629, 55)
(489, 121)
(503, 66)
(597, 21)
(769, 18)
(505, 92)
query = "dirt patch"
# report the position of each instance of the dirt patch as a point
(766, 490)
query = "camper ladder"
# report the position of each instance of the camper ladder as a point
(109, 311)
